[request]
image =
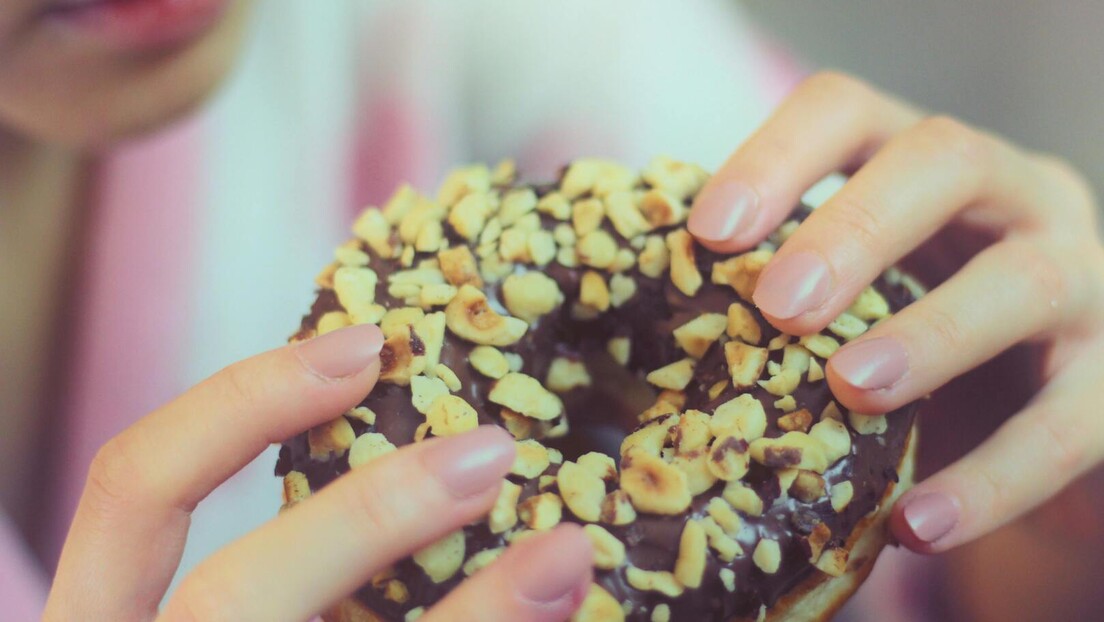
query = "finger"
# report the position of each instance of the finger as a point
(1012, 291)
(130, 526)
(909, 190)
(327, 546)
(543, 578)
(1035, 454)
(830, 123)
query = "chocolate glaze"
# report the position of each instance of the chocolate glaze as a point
(598, 423)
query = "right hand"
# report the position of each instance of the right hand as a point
(129, 531)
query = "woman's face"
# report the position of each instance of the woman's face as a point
(84, 72)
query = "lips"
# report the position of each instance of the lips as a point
(136, 24)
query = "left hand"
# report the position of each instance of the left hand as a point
(1009, 237)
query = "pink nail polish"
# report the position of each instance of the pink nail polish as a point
(931, 516)
(470, 463)
(343, 352)
(874, 364)
(722, 211)
(557, 567)
(793, 285)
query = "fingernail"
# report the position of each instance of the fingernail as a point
(343, 352)
(878, 363)
(793, 285)
(723, 210)
(557, 566)
(470, 463)
(931, 516)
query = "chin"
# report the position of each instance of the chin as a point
(63, 93)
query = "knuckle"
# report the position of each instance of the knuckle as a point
(373, 508)
(1042, 276)
(943, 326)
(238, 385)
(1064, 445)
(857, 220)
(954, 137)
(114, 485)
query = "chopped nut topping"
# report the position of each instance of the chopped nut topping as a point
(396, 592)
(541, 512)
(296, 488)
(436, 295)
(625, 215)
(727, 548)
(520, 426)
(654, 486)
(599, 177)
(565, 374)
(786, 403)
(692, 431)
(372, 227)
(818, 537)
(449, 415)
(564, 235)
(349, 254)
(599, 606)
(728, 457)
(542, 247)
(728, 579)
(513, 360)
(431, 237)
(791, 450)
(698, 334)
(619, 348)
(596, 249)
(459, 267)
(469, 216)
(694, 464)
(820, 345)
(362, 413)
(492, 231)
(724, 515)
(332, 321)
(443, 558)
(847, 326)
(471, 318)
(330, 439)
(816, 372)
(797, 421)
(833, 562)
(745, 363)
(654, 581)
(796, 358)
(767, 556)
(431, 331)
(555, 205)
(807, 486)
(661, 613)
(869, 306)
(690, 565)
(741, 324)
(423, 390)
(515, 204)
(582, 491)
(684, 270)
(743, 498)
(744, 414)
(420, 216)
(504, 173)
(513, 245)
(402, 357)
(609, 552)
(530, 295)
(617, 509)
(650, 437)
(489, 361)
(503, 515)
(593, 291)
(679, 179)
(622, 289)
(673, 376)
(833, 438)
(717, 388)
(742, 272)
(414, 614)
(867, 424)
(841, 495)
(587, 216)
(530, 459)
(654, 258)
(525, 395)
(783, 383)
(449, 377)
(482, 559)
(463, 181)
(831, 411)
(599, 464)
(356, 292)
(661, 209)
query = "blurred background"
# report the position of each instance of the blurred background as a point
(1031, 71)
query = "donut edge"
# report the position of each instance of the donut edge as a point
(817, 599)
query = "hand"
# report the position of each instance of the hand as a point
(129, 531)
(1009, 239)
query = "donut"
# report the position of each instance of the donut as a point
(702, 450)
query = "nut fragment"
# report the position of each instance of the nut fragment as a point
(833, 438)
(349, 254)
(555, 205)
(817, 538)
(820, 345)
(541, 512)
(742, 272)
(692, 431)
(654, 258)
(833, 562)
(565, 374)
(727, 548)
(797, 358)
(690, 565)
(431, 330)
(596, 249)
(816, 372)
(684, 270)
(531, 295)
(542, 248)
(696, 336)
(503, 515)
(679, 179)
(471, 318)
(599, 177)
(525, 395)
(515, 204)
(651, 436)
(593, 291)
(482, 559)
(617, 509)
(807, 487)
(867, 424)
(489, 361)
(609, 552)
(619, 348)
(869, 306)
(356, 292)
(296, 488)
(797, 421)
(449, 415)
(582, 491)
(625, 215)
(530, 459)
(767, 556)
(783, 383)
(372, 227)
(330, 439)
(622, 289)
(661, 209)
(443, 558)
(396, 591)
(743, 498)
(423, 390)
(831, 411)
(332, 321)
(743, 413)
(728, 457)
(396, 321)
(673, 376)
(402, 357)
(459, 267)
(654, 486)
(728, 579)
(654, 581)
(745, 363)
(841, 495)
(447, 376)
(436, 295)
(695, 465)
(792, 450)
(724, 515)
(661, 613)
(587, 216)
(741, 324)
(848, 326)
(599, 464)
(599, 606)
(367, 447)
(462, 181)
(362, 413)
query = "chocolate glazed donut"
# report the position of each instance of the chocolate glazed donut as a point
(740, 491)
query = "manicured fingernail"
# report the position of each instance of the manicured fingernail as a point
(877, 363)
(557, 567)
(343, 352)
(470, 463)
(723, 210)
(793, 285)
(931, 516)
